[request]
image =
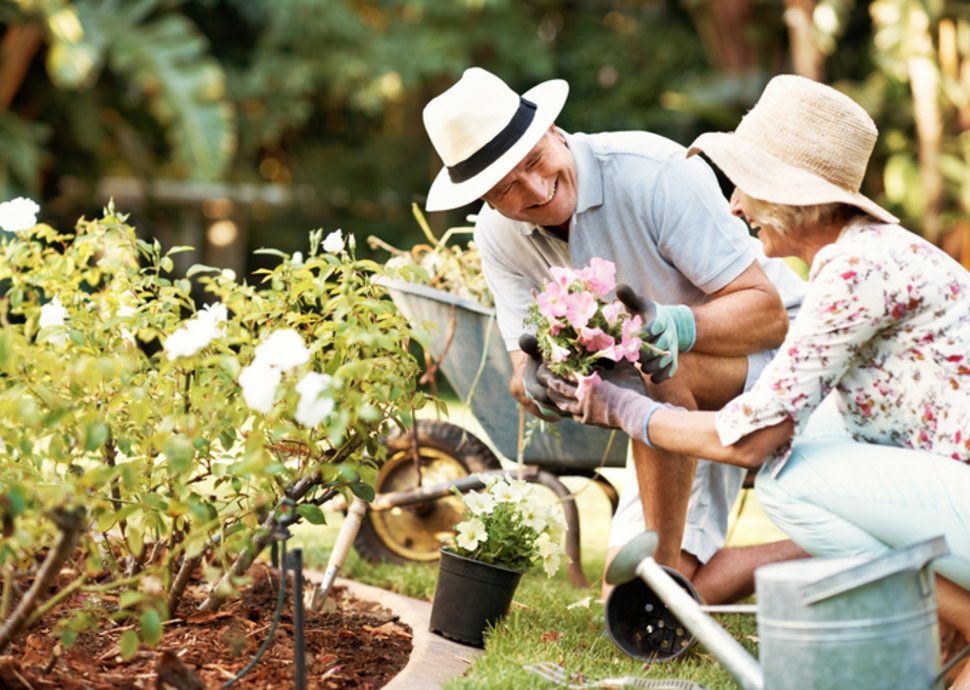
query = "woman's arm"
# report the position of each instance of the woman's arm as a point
(693, 434)
(617, 400)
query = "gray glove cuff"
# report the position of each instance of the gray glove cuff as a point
(634, 413)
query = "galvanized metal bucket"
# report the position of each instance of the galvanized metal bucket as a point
(832, 624)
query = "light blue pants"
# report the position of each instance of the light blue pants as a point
(837, 497)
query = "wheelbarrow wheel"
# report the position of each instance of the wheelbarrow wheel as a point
(414, 532)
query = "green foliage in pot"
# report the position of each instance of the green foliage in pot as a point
(154, 438)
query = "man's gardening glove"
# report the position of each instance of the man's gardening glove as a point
(613, 398)
(534, 389)
(668, 327)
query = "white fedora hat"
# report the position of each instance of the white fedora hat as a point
(803, 143)
(482, 129)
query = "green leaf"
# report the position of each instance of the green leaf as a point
(363, 491)
(201, 268)
(178, 450)
(128, 644)
(95, 435)
(151, 627)
(130, 598)
(311, 514)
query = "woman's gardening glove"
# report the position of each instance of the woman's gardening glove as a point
(668, 327)
(613, 398)
(534, 389)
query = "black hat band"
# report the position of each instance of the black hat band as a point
(500, 143)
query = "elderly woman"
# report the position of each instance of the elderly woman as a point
(885, 327)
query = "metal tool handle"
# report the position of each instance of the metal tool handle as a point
(708, 632)
(912, 557)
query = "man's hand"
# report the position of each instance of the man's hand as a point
(535, 390)
(613, 398)
(668, 327)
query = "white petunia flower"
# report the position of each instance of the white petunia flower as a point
(470, 534)
(18, 215)
(313, 407)
(479, 504)
(334, 242)
(283, 349)
(259, 383)
(54, 314)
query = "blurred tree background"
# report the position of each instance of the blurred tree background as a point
(235, 124)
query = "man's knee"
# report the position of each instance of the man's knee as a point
(703, 382)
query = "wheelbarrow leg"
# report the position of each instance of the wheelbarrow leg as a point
(551, 481)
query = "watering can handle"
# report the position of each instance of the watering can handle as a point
(912, 557)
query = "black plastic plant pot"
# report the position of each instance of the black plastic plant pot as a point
(470, 597)
(642, 626)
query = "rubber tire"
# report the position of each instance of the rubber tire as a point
(444, 447)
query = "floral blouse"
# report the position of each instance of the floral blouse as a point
(886, 323)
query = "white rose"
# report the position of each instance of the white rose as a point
(334, 242)
(259, 384)
(19, 214)
(313, 408)
(54, 314)
(283, 349)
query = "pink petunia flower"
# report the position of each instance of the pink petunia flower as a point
(580, 307)
(595, 340)
(600, 275)
(552, 301)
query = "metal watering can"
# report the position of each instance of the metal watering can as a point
(823, 624)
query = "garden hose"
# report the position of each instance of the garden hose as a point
(277, 614)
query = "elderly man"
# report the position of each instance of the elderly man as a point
(715, 304)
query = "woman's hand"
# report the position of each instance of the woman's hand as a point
(613, 398)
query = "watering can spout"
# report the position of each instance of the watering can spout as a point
(636, 560)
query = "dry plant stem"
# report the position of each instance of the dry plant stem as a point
(70, 523)
(7, 593)
(429, 374)
(182, 581)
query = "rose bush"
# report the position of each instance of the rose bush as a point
(145, 438)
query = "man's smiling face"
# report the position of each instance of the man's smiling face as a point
(541, 189)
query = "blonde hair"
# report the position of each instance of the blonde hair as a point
(783, 218)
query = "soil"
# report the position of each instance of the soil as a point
(351, 644)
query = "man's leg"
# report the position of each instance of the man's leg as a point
(666, 482)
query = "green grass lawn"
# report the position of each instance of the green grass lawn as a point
(551, 620)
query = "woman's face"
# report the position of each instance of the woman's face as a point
(775, 243)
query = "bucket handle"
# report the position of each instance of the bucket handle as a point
(912, 557)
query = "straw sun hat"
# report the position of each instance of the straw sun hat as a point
(802, 144)
(482, 129)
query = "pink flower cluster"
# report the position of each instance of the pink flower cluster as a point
(576, 325)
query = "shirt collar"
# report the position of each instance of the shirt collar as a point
(589, 175)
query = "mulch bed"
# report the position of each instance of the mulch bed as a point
(351, 644)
